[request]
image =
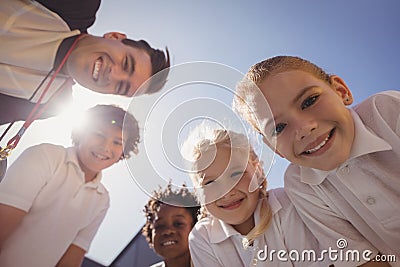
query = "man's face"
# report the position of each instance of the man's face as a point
(312, 127)
(108, 66)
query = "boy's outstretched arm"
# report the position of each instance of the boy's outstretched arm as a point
(73, 257)
(10, 218)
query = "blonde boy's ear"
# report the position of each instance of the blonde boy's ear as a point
(115, 35)
(342, 90)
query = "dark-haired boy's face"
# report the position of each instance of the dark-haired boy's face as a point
(99, 148)
(109, 66)
(170, 232)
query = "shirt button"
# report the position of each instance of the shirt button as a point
(371, 200)
(345, 170)
(254, 261)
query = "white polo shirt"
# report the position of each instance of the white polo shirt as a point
(47, 182)
(360, 198)
(30, 35)
(215, 243)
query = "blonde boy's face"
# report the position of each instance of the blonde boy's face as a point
(313, 127)
(99, 148)
(237, 204)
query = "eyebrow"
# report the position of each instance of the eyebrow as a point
(174, 216)
(302, 93)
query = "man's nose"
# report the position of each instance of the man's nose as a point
(118, 74)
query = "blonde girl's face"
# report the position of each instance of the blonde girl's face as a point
(232, 170)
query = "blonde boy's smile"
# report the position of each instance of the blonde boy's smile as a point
(321, 147)
(313, 126)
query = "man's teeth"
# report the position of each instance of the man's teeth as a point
(96, 69)
(168, 243)
(312, 150)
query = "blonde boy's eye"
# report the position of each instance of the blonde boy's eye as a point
(309, 101)
(278, 129)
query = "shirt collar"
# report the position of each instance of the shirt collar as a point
(73, 159)
(220, 231)
(365, 142)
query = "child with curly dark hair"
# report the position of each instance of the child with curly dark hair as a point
(170, 216)
(53, 195)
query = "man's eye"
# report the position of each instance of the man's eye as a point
(125, 64)
(309, 101)
(278, 129)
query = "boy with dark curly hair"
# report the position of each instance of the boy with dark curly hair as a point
(170, 216)
(52, 201)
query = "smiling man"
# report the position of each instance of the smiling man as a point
(38, 38)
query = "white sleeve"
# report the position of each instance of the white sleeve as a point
(27, 175)
(85, 236)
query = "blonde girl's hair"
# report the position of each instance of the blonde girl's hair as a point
(202, 139)
(247, 89)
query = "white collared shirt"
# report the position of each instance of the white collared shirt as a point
(47, 182)
(360, 200)
(215, 243)
(30, 36)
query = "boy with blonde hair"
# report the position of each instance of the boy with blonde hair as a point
(344, 172)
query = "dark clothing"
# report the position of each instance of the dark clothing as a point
(78, 14)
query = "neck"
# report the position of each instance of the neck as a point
(245, 227)
(180, 261)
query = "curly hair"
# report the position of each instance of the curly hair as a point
(101, 115)
(180, 197)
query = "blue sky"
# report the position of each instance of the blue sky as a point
(357, 40)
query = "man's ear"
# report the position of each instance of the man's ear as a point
(341, 89)
(115, 35)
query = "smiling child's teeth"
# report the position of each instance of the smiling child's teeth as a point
(168, 243)
(100, 156)
(318, 146)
